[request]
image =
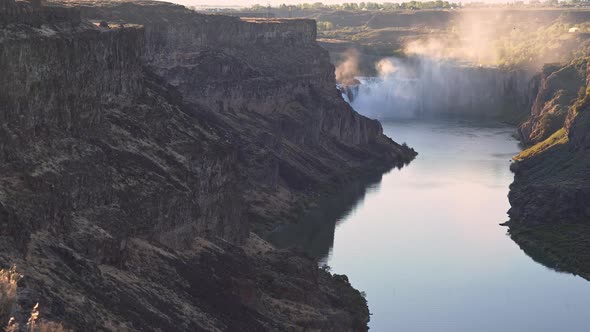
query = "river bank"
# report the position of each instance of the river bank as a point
(431, 257)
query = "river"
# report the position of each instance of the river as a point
(425, 245)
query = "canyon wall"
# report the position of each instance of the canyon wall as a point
(13, 12)
(74, 124)
(139, 151)
(273, 87)
(551, 178)
(550, 195)
(559, 87)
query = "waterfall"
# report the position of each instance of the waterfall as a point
(421, 87)
(379, 98)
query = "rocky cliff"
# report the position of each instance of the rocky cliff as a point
(550, 196)
(138, 154)
(559, 87)
(35, 14)
(550, 181)
(270, 85)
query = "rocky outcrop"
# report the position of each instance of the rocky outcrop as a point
(212, 287)
(559, 88)
(550, 195)
(553, 186)
(550, 199)
(33, 13)
(138, 154)
(551, 179)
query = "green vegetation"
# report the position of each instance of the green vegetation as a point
(325, 26)
(8, 305)
(552, 122)
(362, 6)
(8, 284)
(559, 137)
(515, 39)
(521, 47)
(412, 5)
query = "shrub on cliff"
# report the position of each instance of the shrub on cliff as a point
(8, 284)
(8, 306)
(36, 324)
(325, 26)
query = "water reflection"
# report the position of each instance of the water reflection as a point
(425, 244)
(314, 234)
(561, 248)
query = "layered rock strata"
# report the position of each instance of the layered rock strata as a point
(139, 150)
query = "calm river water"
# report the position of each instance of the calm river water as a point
(424, 241)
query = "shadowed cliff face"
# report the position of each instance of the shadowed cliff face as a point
(273, 88)
(137, 159)
(314, 233)
(84, 138)
(21, 12)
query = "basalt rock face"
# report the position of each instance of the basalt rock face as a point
(552, 182)
(553, 187)
(135, 159)
(559, 87)
(97, 152)
(550, 195)
(270, 85)
(34, 14)
(84, 139)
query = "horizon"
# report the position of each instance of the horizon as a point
(274, 3)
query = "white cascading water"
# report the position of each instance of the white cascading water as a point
(385, 97)
(420, 87)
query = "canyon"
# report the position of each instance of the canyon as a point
(527, 67)
(145, 148)
(147, 151)
(546, 99)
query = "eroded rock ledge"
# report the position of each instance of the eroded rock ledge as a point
(550, 196)
(551, 179)
(137, 156)
(273, 88)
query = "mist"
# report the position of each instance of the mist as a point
(481, 68)
(348, 70)
(430, 85)
(427, 87)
